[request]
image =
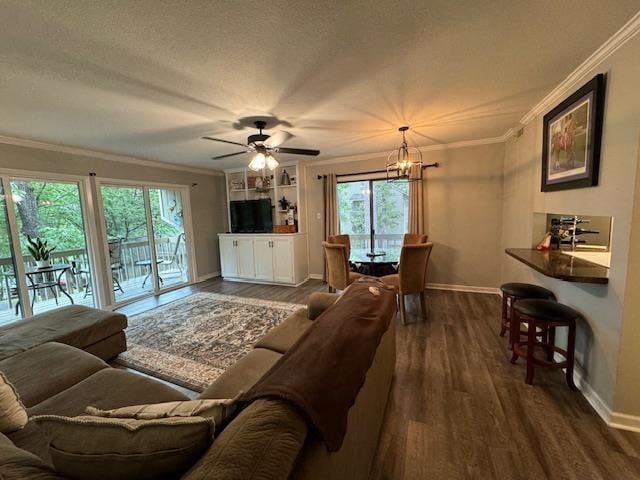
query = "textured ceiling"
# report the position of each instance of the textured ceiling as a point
(148, 78)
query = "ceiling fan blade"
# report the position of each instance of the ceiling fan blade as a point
(299, 151)
(277, 139)
(229, 155)
(225, 141)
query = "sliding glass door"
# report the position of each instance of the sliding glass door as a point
(146, 246)
(9, 286)
(374, 213)
(53, 243)
(127, 250)
(168, 234)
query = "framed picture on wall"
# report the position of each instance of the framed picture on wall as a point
(571, 139)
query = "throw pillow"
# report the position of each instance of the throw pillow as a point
(13, 415)
(99, 448)
(218, 410)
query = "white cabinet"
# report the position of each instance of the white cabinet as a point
(244, 247)
(282, 260)
(228, 256)
(236, 257)
(264, 258)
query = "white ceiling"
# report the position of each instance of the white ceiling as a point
(148, 78)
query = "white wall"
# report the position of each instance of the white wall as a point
(599, 335)
(463, 212)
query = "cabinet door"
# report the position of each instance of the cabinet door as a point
(282, 259)
(263, 254)
(228, 257)
(244, 249)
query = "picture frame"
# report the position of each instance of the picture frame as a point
(572, 137)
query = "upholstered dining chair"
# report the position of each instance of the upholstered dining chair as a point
(413, 238)
(411, 276)
(338, 275)
(346, 241)
(341, 240)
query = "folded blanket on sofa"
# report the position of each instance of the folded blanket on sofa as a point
(323, 371)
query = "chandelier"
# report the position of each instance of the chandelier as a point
(405, 163)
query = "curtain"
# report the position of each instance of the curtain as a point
(330, 206)
(416, 203)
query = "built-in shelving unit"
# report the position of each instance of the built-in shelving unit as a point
(241, 186)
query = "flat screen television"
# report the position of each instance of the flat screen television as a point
(251, 216)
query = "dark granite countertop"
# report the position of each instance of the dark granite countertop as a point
(555, 264)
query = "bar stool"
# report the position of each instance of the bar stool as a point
(546, 315)
(516, 291)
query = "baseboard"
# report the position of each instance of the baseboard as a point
(599, 405)
(625, 422)
(208, 276)
(463, 288)
(613, 419)
(264, 282)
(315, 276)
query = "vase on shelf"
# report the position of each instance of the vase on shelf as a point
(284, 178)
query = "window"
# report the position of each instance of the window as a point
(373, 211)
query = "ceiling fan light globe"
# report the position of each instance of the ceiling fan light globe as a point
(258, 162)
(272, 163)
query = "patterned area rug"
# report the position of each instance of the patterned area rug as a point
(192, 341)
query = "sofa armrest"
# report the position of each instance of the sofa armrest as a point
(318, 302)
(261, 443)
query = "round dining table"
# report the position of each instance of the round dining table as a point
(383, 263)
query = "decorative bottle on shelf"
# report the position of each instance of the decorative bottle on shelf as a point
(284, 178)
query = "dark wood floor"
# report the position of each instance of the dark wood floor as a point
(458, 409)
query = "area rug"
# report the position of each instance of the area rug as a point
(192, 341)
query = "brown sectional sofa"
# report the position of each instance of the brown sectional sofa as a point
(99, 332)
(268, 440)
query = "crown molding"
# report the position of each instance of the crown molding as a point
(52, 147)
(428, 148)
(622, 36)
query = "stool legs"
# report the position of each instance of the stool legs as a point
(514, 326)
(551, 340)
(531, 346)
(505, 318)
(571, 345)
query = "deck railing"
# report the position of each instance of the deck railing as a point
(363, 241)
(75, 280)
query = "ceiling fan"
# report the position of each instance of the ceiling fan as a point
(264, 146)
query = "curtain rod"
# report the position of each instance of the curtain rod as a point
(320, 177)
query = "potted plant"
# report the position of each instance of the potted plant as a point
(40, 252)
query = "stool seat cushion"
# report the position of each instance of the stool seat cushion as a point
(526, 290)
(548, 310)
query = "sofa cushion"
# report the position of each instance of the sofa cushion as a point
(98, 448)
(107, 389)
(243, 374)
(13, 415)
(280, 338)
(75, 325)
(18, 464)
(44, 371)
(263, 442)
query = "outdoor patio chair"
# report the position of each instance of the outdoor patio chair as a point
(115, 260)
(163, 260)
